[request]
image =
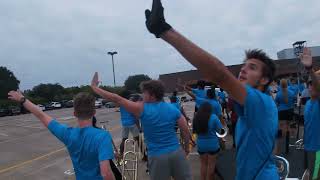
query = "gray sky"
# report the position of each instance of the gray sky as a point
(46, 41)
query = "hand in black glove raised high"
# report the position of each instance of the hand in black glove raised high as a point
(155, 22)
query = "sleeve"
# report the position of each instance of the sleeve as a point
(277, 99)
(218, 109)
(253, 107)
(60, 131)
(216, 124)
(176, 113)
(105, 149)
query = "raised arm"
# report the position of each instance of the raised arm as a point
(35, 110)
(133, 107)
(306, 60)
(202, 60)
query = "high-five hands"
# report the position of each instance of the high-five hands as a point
(306, 58)
(155, 22)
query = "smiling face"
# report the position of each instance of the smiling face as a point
(252, 73)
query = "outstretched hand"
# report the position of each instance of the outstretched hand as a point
(95, 80)
(306, 58)
(155, 21)
(15, 96)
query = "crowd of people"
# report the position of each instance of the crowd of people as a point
(254, 108)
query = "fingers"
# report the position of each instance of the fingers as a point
(95, 79)
(147, 13)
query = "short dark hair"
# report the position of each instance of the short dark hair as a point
(154, 88)
(201, 118)
(211, 94)
(269, 67)
(201, 84)
(84, 106)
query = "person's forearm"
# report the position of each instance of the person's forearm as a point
(109, 176)
(209, 66)
(108, 95)
(223, 122)
(315, 80)
(206, 63)
(35, 110)
(191, 94)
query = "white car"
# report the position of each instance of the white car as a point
(55, 105)
(42, 107)
(98, 104)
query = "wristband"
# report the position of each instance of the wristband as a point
(22, 100)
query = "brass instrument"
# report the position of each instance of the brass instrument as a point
(130, 161)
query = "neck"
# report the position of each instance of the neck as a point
(84, 123)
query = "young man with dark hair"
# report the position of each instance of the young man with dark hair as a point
(158, 118)
(258, 118)
(90, 149)
(312, 119)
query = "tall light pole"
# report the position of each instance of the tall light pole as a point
(114, 77)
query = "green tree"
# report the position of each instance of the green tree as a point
(49, 92)
(8, 82)
(132, 84)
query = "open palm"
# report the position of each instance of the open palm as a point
(306, 58)
(95, 80)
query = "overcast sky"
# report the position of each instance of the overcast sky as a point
(65, 41)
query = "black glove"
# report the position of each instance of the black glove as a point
(155, 22)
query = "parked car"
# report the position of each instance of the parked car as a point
(110, 105)
(98, 104)
(67, 103)
(14, 110)
(48, 107)
(56, 105)
(4, 112)
(42, 107)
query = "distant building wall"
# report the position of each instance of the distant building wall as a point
(289, 53)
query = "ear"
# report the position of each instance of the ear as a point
(264, 81)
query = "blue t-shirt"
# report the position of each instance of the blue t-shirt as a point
(177, 105)
(199, 93)
(216, 107)
(209, 142)
(127, 119)
(282, 105)
(87, 148)
(294, 88)
(158, 121)
(222, 97)
(311, 125)
(256, 131)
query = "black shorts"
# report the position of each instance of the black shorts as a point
(286, 115)
(210, 152)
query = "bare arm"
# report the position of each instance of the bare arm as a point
(35, 110)
(184, 114)
(306, 60)
(206, 64)
(182, 123)
(132, 107)
(106, 171)
(190, 94)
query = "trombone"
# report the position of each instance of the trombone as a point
(130, 160)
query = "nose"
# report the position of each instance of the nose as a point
(243, 70)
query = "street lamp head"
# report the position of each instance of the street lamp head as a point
(112, 53)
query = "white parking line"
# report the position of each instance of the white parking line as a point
(2, 134)
(66, 118)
